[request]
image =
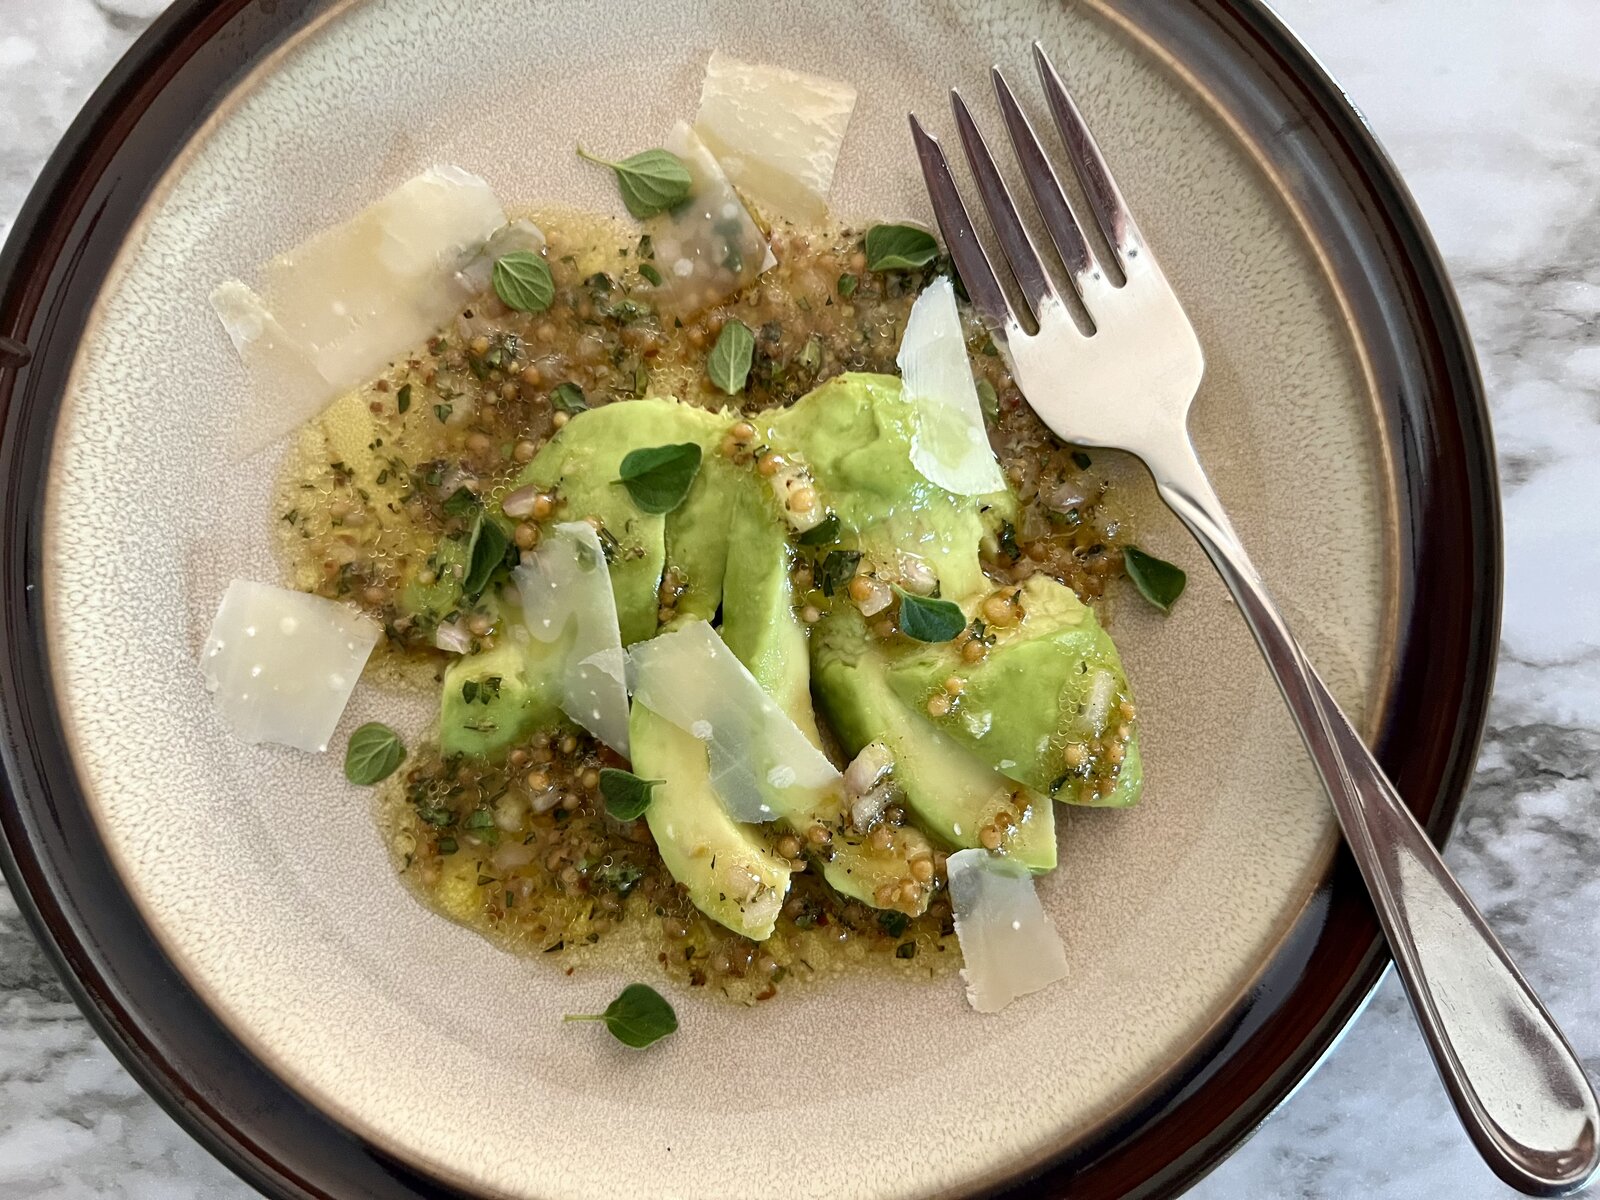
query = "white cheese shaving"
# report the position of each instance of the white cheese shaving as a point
(334, 311)
(1009, 945)
(566, 594)
(949, 445)
(709, 246)
(281, 664)
(756, 753)
(776, 133)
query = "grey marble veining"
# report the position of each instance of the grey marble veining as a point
(1492, 111)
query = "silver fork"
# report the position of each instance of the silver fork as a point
(1515, 1082)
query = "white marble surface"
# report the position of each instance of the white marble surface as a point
(1493, 112)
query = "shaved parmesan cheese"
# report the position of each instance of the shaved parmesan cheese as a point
(756, 753)
(566, 594)
(281, 664)
(949, 445)
(1009, 945)
(478, 274)
(776, 133)
(709, 246)
(334, 311)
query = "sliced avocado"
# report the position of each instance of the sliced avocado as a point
(854, 435)
(727, 867)
(698, 530)
(1049, 683)
(433, 602)
(952, 791)
(495, 698)
(582, 464)
(760, 626)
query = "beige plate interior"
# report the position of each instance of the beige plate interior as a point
(260, 868)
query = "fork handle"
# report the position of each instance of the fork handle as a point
(1513, 1079)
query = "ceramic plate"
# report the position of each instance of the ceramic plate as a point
(228, 913)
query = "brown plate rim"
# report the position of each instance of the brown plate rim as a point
(1415, 348)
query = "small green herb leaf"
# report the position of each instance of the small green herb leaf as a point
(729, 364)
(461, 502)
(374, 752)
(568, 398)
(893, 923)
(486, 552)
(402, 400)
(822, 533)
(651, 275)
(638, 1017)
(1081, 460)
(838, 569)
(1158, 581)
(810, 356)
(658, 477)
(988, 400)
(620, 878)
(651, 181)
(522, 279)
(627, 796)
(899, 247)
(847, 285)
(928, 620)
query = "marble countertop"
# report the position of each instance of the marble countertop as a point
(1491, 111)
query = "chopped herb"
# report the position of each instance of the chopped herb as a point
(292, 515)
(1008, 541)
(479, 818)
(658, 477)
(461, 502)
(928, 620)
(899, 247)
(486, 553)
(627, 796)
(810, 356)
(838, 569)
(647, 247)
(822, 533)
(568, 398)
(448, 845)
(620, 878)
(522, 279)
(1158, 581)
(893, 923)
(637, 1018)
(988, 400)
(651, 275)
(906, 950)
(469, 691)
(442, 411)
(402, 399)
(729, 363)
(374, 752)
(651, 181)
(1082, 460)
(847, 285)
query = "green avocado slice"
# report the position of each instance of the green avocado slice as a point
(582, 464)
(1050, 683)
(854, 435)
(731, 874)
(953, 793)
(760, 626)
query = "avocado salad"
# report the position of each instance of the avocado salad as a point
(755, 598)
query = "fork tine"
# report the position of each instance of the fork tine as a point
(1015, 243)
(1059, 219)
(973, 264)
(1110, 210)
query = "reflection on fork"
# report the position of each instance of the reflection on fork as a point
(1127, 382)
